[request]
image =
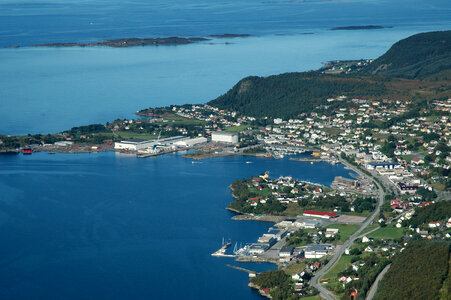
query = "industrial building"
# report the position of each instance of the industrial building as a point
(134, 144)
(139, 144)
(190, 142)
(286, 251)
(320, 214)
(317, 250)
(224, 137)
(347, 183)
(258, 248)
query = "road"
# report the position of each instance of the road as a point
(315, 281)
(373, 288)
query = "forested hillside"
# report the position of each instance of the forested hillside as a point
(415, 57)
(419, 272)
(290, 94)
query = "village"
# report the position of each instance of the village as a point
(407, 159)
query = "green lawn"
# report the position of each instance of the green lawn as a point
(179, 120)
(134, 135)
(388, 232)
(293, 210)
(369, 228)
(345, 231)
(236, 128)
(295, 268)
(342, 264)
(312, 298)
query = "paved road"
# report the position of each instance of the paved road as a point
(373, 288)
(315, 281)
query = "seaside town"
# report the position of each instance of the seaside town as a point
(400, 167)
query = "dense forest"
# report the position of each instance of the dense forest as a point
(422, 56)
(419, 272)
(415, 57)
(439, 211)
(291, 94)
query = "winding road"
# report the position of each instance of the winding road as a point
(375, 285)
(315, 281)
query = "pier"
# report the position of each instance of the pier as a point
(221, 251)
(241, 269)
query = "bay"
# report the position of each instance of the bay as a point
(106, 225)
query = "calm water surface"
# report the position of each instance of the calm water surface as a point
(54, 89)
(112, 226)
(93, 226)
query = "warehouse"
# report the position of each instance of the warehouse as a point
(134, 144)
(317, 250)
(191, 142)
(320, 214)
(224, 137)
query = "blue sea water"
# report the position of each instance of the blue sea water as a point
(113, 226)
(104, 225)
(46, 90)
(54, 89)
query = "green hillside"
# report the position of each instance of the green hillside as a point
(290, 94)
(420, 272)
(426, 55)
(415, 57)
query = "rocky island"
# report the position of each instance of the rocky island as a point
(359, 27)
(132, 42)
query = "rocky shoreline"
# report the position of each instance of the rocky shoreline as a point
(134, 42)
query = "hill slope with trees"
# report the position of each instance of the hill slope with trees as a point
(419, 272)
(290, 94)
(415, 57)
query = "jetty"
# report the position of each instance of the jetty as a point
(241, 269)
(221, 251)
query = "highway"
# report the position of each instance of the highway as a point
(315, 281)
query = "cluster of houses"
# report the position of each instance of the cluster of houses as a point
(345, 130)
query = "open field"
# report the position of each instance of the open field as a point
(133, 135)
(295, 268)
(236, 128)
(345, 231)
(369, 228)
(350, 219)
(388, 232)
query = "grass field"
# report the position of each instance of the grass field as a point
(134, 135)
(236, 128)
(342, 264)
(369, 228)
(345, 231)
(295, 268)
(332, 276)
(179, 120)
(312, 298)
(388, 232)
(293, 210)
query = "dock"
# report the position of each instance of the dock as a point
(241, 269)
(221, 251)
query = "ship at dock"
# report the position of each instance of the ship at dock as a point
(221, 252)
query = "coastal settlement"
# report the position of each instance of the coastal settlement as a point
(324, 237)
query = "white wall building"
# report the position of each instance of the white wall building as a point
(134, 144)
(191, 142)
(224, 137)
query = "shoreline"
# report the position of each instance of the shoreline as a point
(135, 42)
